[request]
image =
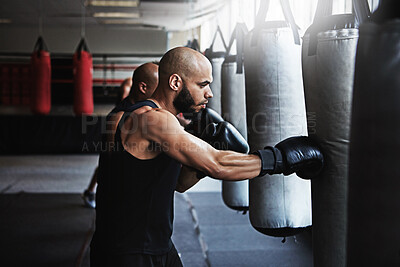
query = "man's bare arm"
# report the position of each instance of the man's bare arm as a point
(111, 126)
(162, 127)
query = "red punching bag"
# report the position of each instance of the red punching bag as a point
(40, 102)
(83, 82)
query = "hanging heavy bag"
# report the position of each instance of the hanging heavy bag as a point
(279, 205)
(233, 107)
(40, 100)
(216, 58)
(83, 81)
(329, 51)
(373, 236)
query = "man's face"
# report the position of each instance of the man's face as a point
(193, 99)
(195, 91)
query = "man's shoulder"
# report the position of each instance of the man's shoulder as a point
(158, 120)
(155, 112)
(153, 115)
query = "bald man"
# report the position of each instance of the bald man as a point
(143, 82)
(135, 195)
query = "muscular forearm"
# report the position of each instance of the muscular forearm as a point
(231, 165)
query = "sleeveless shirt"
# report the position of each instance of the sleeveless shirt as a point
(134, 200)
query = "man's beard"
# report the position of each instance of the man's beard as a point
(184, 101)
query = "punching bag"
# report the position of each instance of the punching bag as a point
(328, 56)
(373, 236)
(40, 101)
(83, 81)
(216, 58)
(233, 100)
(279, 205)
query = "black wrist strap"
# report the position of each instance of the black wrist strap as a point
(271, 160)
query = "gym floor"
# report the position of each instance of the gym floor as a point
(43, 221)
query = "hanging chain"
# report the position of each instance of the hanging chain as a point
(83, 8)
(40, 18)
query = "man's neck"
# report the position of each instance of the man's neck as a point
(163, 101)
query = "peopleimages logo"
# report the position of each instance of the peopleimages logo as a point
(97, 123)
(312, 122)
(140, 147)
(99, 147)
(261, 123)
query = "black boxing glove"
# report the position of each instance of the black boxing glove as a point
(299, 154)
(201, 119)
(224, 136)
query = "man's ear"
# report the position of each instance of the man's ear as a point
(175, 82)
(142, 87)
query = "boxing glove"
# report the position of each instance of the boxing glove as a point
(299, 154)
(201, 119)
(224, 136)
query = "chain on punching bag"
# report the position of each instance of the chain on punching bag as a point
(279, 205)
(373, 236)
(40, 102)
(329, 51)
(233, 106)
(216, 59)
(83, 80)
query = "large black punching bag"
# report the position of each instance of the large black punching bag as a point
(279, 205)
(216, 58)
(374, 173)
(233, 100)
(328, 57)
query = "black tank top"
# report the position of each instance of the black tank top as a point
(135, 200)
(124, 105)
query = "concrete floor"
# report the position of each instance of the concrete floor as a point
(206, 232)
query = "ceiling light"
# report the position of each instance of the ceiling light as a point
(120, 21)
(135, 15)
(113, 3)
(5, 21)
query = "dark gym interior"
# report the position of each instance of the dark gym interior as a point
(325, 69)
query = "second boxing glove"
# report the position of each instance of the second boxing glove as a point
(224, 136)
(201, 119)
